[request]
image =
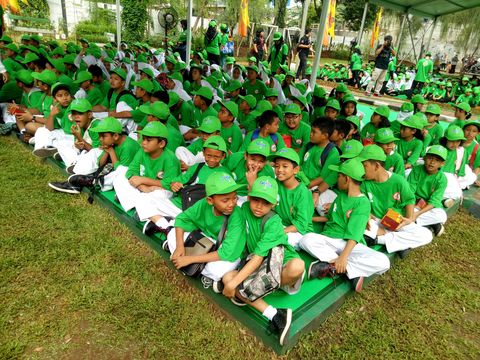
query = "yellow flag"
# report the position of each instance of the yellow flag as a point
(376, 28)
(12, 4)
(244, 22)
(330, 23)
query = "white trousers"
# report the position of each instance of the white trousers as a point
(294, 239)
(64, 143)
(467, 180)
(408, 237)
(87, 162)
(453, 189)
(214, 270)
(362, 261)
(433, 216)
(156, 203)
(378, 77)
(185, 155)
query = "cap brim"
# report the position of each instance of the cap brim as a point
(227, 190)
(262, 195)
(335, 168)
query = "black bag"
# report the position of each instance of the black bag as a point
(192, 193)
(198, 244)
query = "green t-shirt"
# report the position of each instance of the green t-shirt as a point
(300, 136)
(469, 151)
(112, 104)
(450, 163)
(368, 131)
(436, 133)
(247, 121)
(90, 136)
(11, 65)
(32, 99)
(257, 89)
(274, 146)
(95, 96)
(104, 87)
(233, 137)
(125, 152)
(276, 57)
(347, 218)
(184, 114)
(260, 242)
(196, 146)
(394, 163)
(198, 116)
(313, 169)
(356, 62)
(424, 69)
(45, 103)
(410, 151)
(295, 207)
(213, 47)
(428, 187)
(395, 193)
(201, 217)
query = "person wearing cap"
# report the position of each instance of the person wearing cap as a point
(462, 113)
(435, 130)
(350, 149)
(341, 132)
(268, 125)
(428, 182)
(9, 62)
(212, 42)
(303, 49)
(118, 99)
(349, 107)
(272, 97)
(230, 131)
(264, 234)
(302, 102)
(341, 247)
(385, 138)
(98, 79)
(466, 97)
(247, 114)
(298, 131)
(354, 122)
(87, 89)
(356, 66)
(424, 71)
(383, 54)
(278, 53)
(203, 99)
(378, 120)
(252, 85)
(332, 109)
(386, 191)
(440, 92)
(233, 90)
(181, 110)
(410, 145)
(319, 100)
(295, 204)
(418, 101)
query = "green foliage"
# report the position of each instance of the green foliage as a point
(352, 12)
(101, 21)
(467, 27)
(280, 13)
(35, 9)
(340, 51)
(134, 19)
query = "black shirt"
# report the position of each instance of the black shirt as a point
(382, 60)
(305, 40)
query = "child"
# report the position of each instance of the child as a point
(406, 110)
(203, 99)
(410, 146)
(428, 183)
(378, 120)
(230, 131)
(462, 113)
(332, 109)
(252, 85)
(218, 210)
(349, 106)
(295, 205)
(87, 89)
(319, 101)
(471, 129)
(434, 128)
(341, 247)
(297, 130)
(264, 232)
(268, 124)
(355, 127)
(390, 191)
(245, 117)
(418, 101)
(341, 130)
(394, 161)
(272, 97)
(351, 149)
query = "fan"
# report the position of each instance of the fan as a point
(167, 18)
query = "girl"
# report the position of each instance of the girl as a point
(195, 79)
(259, 46)
(462, 113)
(471, 129)
(349, 107)
(319, 101)
(386, 140)
(410, 145)
(378, 120)
(278, 53)
(212, 43)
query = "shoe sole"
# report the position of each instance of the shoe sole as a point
(286, 330)
(44, 153)
(310, 269)
(215, 287)
(69, 170)
(165, 246)
(237, 301)
(359, 285)
(145, 227)
(67, 191)
(442, 230)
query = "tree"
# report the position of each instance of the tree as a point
(134, 19)
(352, 13)
(468, 39)
(281, 13)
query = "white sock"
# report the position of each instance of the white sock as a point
(270, 312)
(162, 223)
(381, 240)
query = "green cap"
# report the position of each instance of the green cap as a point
(120, 72)
(26, 37)
(6, 39)
(253, 67)
(36, 38)
(289, 72)
(175, 76)
(259, 146)
(271, 92)
(292, 109)
(233, 85)
(406, 107)
(69, 59)
(12, 47)
(468, 90)
(231, 106)
(46, 76)
(449, 84)
(83, 76)
(158, 109)
(80, 105)
(372, 152)
(433, 109)
(382, 110)
(210, 124)
(58, 51)
(84, 40)
(108, 124)
(302, 99)
(414, 122)
(454, 133)
(171, 59)
(465, 78)
(262, 106)
(464, 106)
(341, 88)
(475, 122)
(354, 119)
(154, 129)
(215, 142)
(24, 76)
(352, 168)
(286, 153)
(220, 183)
(334, 104)
(230, 60)
(250, 100)
(173, 98)
(351, 148)
(384, 136)
(277, 36)
(212, 23)
(30, 57)
(418, 99)
(144, 84)
(148, 71)
(204, 92)
(438, 150)
(349, 98)
(265, 188)
(319, 92)
(126, 60)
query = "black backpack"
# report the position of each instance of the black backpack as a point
(192, 193)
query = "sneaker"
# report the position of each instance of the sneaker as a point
(437, 229)
(218, 287)
(377, 95)
(45, 152)
(57, 156)
(281, 323)
(65, 187)
(369, 240)
(320, 269)
(81, 180)
(237, 301)
(165, 246)
(368, 94)
(357, 284)
(206, 282)
(69, 169)
(404, 253)
(448, 203)
(150, 228)
(6, 129)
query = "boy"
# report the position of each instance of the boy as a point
(230, 131)
(341, 130)
(390, 191)
(264, 232)
(386, 140)
(295, 205)
(332, 109)
(87, 89)
(202, 101)
(218, 210)
(435, 130)
(428, 183)
(299, 131)
(268, 124)
(245, 117)
(341, 247)
(252, 85)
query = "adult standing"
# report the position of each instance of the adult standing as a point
(259, 46)
(454, 64)
(212, 43)
(278, 53)
(356, 66)
(383, 54)
(304, 47)
(223, 44)
(424, 71)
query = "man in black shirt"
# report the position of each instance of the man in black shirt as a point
(304, 47)
(383, 54)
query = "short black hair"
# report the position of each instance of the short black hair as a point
(382, 163)
(95, 70)
(294, 163)
(324, 124)
(60, 87)
(342, 126)
(162, 96)
(266, 118)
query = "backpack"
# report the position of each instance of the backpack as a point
(191, 194)
(325, 152)
(256, 134)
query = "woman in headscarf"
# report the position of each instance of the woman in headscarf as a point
(212, 43)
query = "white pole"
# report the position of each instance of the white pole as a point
(119, 25)
(431, 34)
(303, 25)
(399, 37)
(318, 45)
(189, 32)
(362, 25)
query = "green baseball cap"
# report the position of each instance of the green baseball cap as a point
(154, 129)
(158, 109)
(341, 88)
(463, 106)
(352, 168)
(108, 124)
(230, 60)
(475, 122)
(58, 51)
(382, 110)
(250, 100)
(173, 98)
(351, 148)
(334, 104)
(454, 133)
(148, 71)
(231, 106)
(210, 124)
(262, 106)
(354, 119)
(252, 67)
(120, 72)
(29, 57)
(406, 107)
(277, 36)
(24, 76)
(271, 92)
(204, 92)
(6, 39)
(349, 98)
(418, 99)
(12, 47)
(302, 99)
(286, 153)
(215, 142)
(36, 38)
(26, 37)
(433, 109)
(465, 78)
(265, 188)
(69, 59)
(384, 136)
(414, 122)
(319, 92)
(372, 152)
(144, 84)
(46, 76)
(80, 105)
(438, 150)
(175, 76)
(220, 183)
(292, 109)
(233, 85)
(83, 76)
(260, 147)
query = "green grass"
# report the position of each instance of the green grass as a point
(75, 283)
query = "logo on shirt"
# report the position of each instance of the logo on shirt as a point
(160, 175)
(396, 196)
(306, 156)
(299, 141)
(409, 153)
(229, 140)
(273, 147)
(142, 170)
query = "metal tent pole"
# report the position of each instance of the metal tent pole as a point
(189, 32)
(399, 37)
(364, 17)
(119, 25)
(318, 45)
(412, 40)
(303, 25)
(431, 34)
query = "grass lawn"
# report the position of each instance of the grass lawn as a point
(75, 283)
